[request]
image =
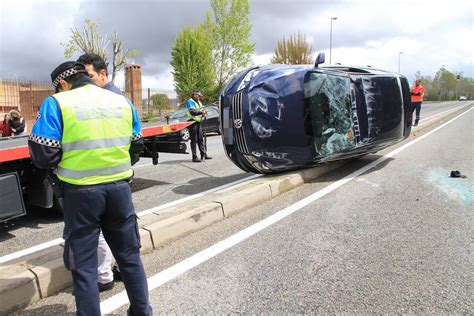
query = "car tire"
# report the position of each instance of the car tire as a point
(185, 134)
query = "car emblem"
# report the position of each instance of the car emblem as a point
(238, 123)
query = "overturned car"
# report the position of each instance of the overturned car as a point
(282, 117)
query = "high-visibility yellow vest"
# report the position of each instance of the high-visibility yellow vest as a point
(197, 106)
(97, 131)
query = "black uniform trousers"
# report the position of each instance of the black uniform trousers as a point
(417, 109)
(196, 136)
(109, 207)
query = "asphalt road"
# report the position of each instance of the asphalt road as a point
(396, 239)
(175, 177)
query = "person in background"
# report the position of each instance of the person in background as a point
(417, 93)
(6, 130)
(97, 70)
(195, 114)
(84, 133)
(17, 123)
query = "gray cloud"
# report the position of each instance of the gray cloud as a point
(31, 31)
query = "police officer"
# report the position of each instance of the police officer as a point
(85, 134)
(195, 114)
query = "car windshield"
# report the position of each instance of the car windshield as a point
(328, 113)
(179, 113)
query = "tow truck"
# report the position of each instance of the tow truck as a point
(22, 184)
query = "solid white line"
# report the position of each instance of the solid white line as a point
(118, 300)
(31, 250)
(58, 241)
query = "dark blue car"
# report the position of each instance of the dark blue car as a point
(283, 117)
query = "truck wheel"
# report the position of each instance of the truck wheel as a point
(185, 134)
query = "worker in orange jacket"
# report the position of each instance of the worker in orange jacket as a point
(417, 93)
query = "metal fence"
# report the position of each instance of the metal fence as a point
(24, 96)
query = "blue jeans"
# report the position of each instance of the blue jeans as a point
(416, 108)
(109, 207)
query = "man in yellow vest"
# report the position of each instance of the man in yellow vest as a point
(195, 114)
(86, 134)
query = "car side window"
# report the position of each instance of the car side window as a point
(212, 112)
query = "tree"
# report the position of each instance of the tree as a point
(229, 28)
(89, 40)
(293, 51)
(446, 85)
(191, 62)
(160, 102)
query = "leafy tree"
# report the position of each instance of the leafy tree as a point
(160, 102)
(89, 40)
(229, 27)
(191, 62)
(294, 50)
(446, 85)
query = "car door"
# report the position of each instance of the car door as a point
(211, 123)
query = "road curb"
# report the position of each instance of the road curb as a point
(52, 277)
(48, 277)
(18, 291)
(184, 223)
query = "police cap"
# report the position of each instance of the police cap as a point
(65, 70)
(197, 92)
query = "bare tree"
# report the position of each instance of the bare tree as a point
(89, 40)
(293, 51)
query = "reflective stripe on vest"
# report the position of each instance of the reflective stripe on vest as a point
(96, 143)
(197, 118)
(77, 174)
(97, 131)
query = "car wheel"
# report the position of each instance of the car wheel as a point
(185, 134)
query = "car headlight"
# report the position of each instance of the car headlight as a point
(249, 76)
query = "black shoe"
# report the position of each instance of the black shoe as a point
(196, 159)
(117, 274)
(106, 286)
(205, 156)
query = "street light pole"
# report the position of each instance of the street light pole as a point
(399, 53)
(330, 39)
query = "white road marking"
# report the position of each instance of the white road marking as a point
(120, 299)
(58, 241)
(31, 250)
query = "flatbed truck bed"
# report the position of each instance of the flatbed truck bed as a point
(21, 183)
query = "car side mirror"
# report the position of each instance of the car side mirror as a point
(320, 59)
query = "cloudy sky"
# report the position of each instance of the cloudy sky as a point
(429, 33)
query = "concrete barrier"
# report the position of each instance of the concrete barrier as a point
(184, 223)
(18, 291)
(52, 277)
(243, 198)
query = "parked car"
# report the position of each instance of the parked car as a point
(283, 117)
(209, 125)
(463, 98)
